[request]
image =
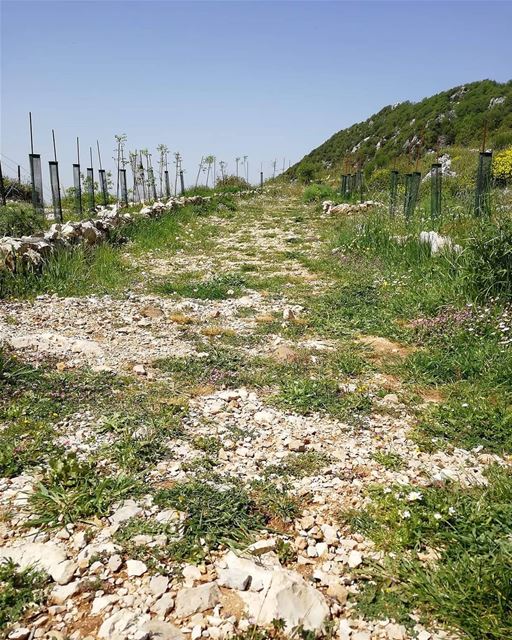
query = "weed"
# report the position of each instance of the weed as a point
(390, 460)
(464, 582)
(298, 465)
(73, 491)
(217, 288)
(19, 588)
(208, 444)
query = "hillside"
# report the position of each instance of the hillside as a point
(454, 117)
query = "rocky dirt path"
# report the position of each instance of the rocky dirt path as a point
(264, 460)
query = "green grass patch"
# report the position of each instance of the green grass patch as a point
(19, 588)
(468, 586)
(75, 491)
(220, 287)
(298, 465)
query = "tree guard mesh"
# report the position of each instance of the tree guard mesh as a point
(414, 192)
(55, 187)
(103, 186)
(393, 192)
(77, 186)
(343, 185)
(359, 185)
(407, 193)
(124, 188)
(90, 188)
(36, 175)
(167, 184)
(152, 184)
(435, 190)
(483, 184)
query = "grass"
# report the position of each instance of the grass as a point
(76, 271)
(74, 491)
(468, 586)
(217, 514)
(298, 465)
(222, 512)
(19, 588)
(389, 460)
(220, 287)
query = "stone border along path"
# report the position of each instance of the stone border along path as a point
(32, 250)
(228, 591)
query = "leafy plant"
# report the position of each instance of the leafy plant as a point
(73, 491)
(19, 588)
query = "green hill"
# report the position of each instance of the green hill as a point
(458, 116)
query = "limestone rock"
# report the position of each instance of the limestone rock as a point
(197, 599)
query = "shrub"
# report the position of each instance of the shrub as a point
(502, 165)
(20, 220)
(319, 192)
(232, 184)
(489, 265)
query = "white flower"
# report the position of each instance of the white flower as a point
(438, 516)
(414, 495)
(451, 511)
(406, 514)
(464, 404)
(387, 490)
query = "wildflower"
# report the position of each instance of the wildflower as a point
(451, 511)
(465, 405)
(438, 516)
(406, 514)
(414, 495)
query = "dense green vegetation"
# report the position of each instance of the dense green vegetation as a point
(454, 117)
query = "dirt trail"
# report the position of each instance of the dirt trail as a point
(339, 457)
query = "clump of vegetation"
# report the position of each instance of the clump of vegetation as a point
(72, 491)
(20, 220)
(19, 588)
(390, 460)
(222, 512)
(319, 192)
(218, 288)
(232, 184)
(452, 555)
(298, 465)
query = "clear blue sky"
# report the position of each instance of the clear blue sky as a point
(262, 79)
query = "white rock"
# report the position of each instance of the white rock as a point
(21, 633)
(396, 631)
(159, 585)
(115, 562)
(163, 605)
(233, 579)
(191, 572)
(157, 630)
(330, 534)
(129, 509)
(102, 602)
(344, 629)
(46, 556)
(60, 594)
(354, 559)
(197, 599)
(135, 568)
(116, 624)
(290, 598)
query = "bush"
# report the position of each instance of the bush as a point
(502, 165)
(489, 264)
(319, 192)
(20, 220)
(232, 184)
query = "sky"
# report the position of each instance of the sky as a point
(267, 80)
